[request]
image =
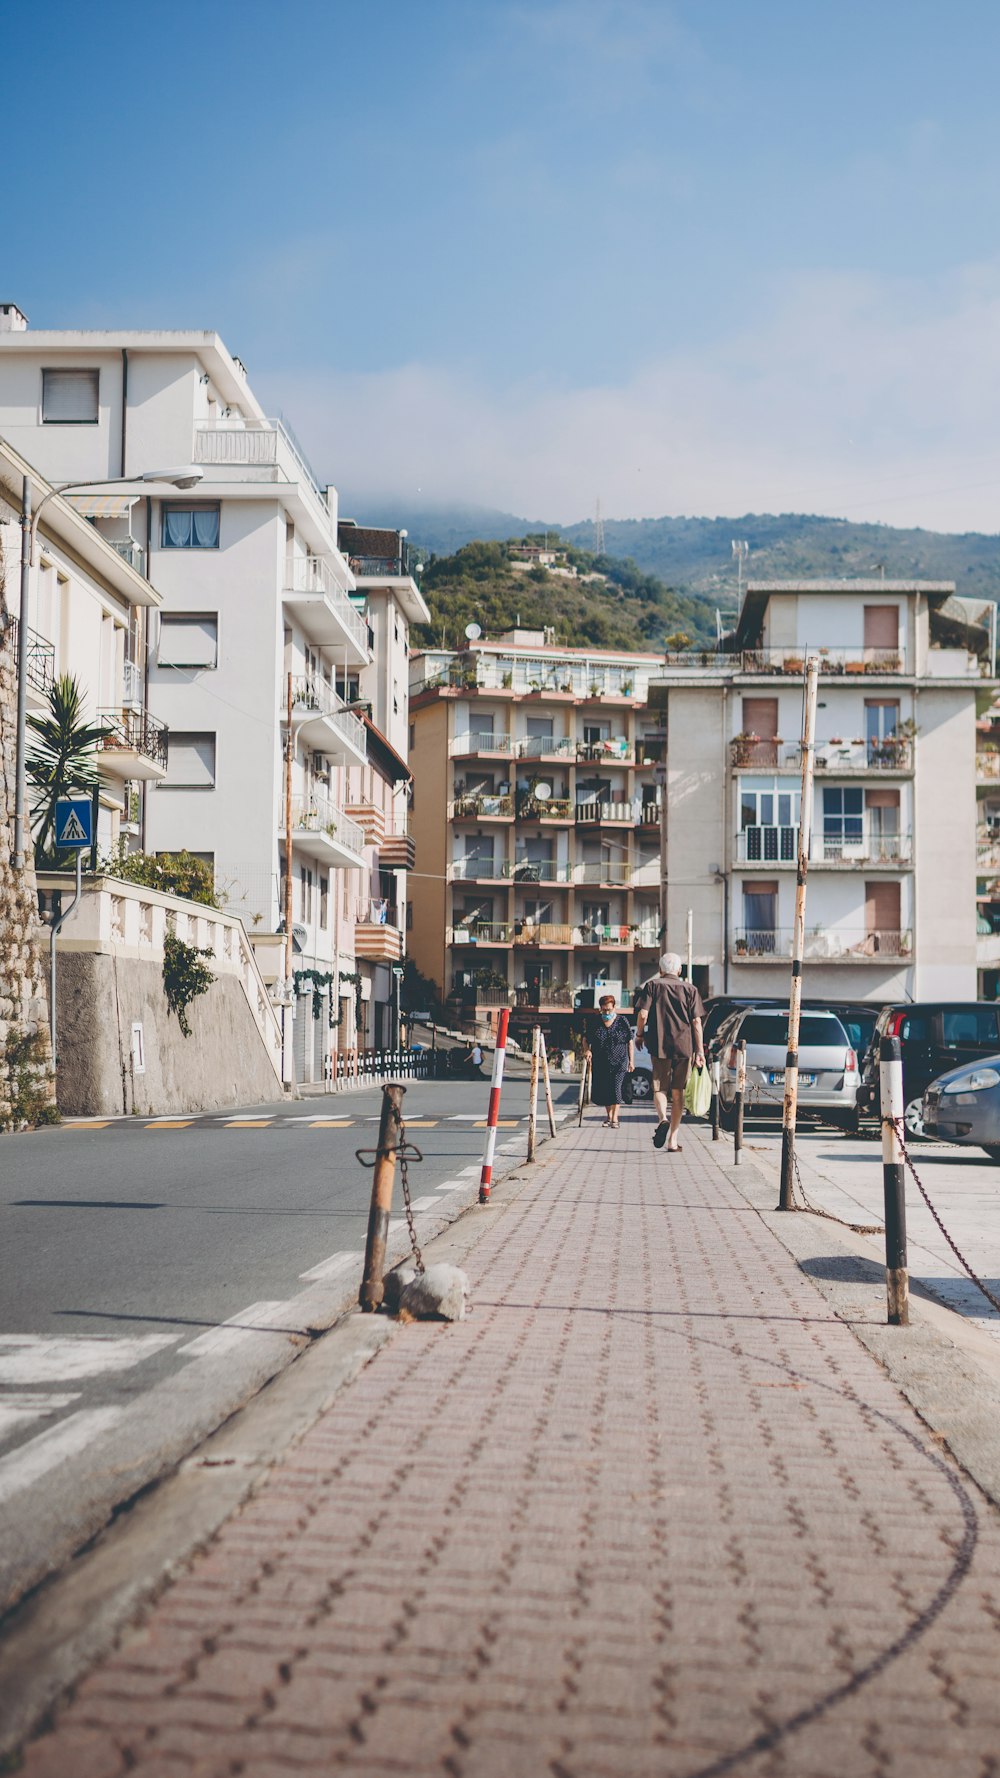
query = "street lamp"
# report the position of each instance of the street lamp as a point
(186, 477)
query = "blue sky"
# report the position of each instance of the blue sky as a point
(702, 256)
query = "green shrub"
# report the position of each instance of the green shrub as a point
(173, 873)
(24, 1084)
(185, 976)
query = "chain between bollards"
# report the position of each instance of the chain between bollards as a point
(897, 1277)
(372, 1288)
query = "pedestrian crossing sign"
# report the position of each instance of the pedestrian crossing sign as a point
(74, 823)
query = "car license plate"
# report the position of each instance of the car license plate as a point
(777, 1079)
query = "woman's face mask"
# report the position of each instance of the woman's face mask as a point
(607, 1017)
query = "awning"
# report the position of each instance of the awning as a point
(103, 506)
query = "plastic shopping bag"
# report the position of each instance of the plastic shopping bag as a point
(698, 1092)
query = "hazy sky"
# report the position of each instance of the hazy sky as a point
(708, 256)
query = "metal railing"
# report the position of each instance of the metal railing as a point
(316, 696)
(988, 764)
(589, 814)
(554, 808)
(130, 551)
(133, 731)
(252, 442)
(132, 687)
(792, 660)
(482, 932)
(482, 741)
(779, 845)
(542, 932)
(614, 749)
(313, 574)
(546, 999)
(469, 870)
(314, 814)
(539, 870)
(755, 753)
(41, 662)
(479, 808)
(854, 944)
(547, 747)
(380, 913)
(603, 874)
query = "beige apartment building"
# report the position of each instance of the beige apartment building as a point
(537, 814)
(891, 906)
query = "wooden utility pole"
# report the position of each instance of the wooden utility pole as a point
(661, 778)
(286, 1020)
(786, 1200)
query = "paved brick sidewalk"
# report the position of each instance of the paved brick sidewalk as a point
(651, 1511)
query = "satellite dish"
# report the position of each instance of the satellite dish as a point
(543, 792)
(473, 631)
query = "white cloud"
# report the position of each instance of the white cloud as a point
(856, 396)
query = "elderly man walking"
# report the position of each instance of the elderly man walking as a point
(673, 1011)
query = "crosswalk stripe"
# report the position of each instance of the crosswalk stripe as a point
(20, 1469)
(230, 1335)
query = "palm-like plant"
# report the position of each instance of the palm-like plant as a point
(61, 761)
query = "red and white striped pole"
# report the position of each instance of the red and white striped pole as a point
(492, 1115)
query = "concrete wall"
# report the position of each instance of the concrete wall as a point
(100, 996)
(945, 906)
(697, 771)
(430, 893)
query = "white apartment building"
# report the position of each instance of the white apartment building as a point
(891, 908)
(88, 616)
(537, 810)
(258, 601)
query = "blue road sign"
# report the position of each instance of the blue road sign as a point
(74, 823)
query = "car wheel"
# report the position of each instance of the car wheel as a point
(642, 1085)
(993, 1150)
(913, 1119)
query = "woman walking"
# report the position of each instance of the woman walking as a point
(612, 1056)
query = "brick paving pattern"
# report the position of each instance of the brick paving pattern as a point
(651, 1511)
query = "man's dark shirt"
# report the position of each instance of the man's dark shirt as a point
(671, 1006)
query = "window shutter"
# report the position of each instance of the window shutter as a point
(191, 760)
(882, 626)
(189, 641)
(70, 396)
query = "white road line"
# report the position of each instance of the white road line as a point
(31, 1358)
(20, 1469)
(426, 1203)
(20, 1410)
(332, 1267)
(452, 1185)
(230, 1335)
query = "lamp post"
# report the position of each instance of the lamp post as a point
(187, 477)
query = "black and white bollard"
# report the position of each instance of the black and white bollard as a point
(741, 1087)
(897, 1277)
(715, 1101)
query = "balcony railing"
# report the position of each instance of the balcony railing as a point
(482, 741)
(131, 552)
(253, 443)
(314, 695)
(314, 814)
(539, 870)
(133, 731)
(792, 660)
(473, 995)
(483, 932)
(478, 869)
(547, 747)
(616, 936)
(779, 845)
(546, 999)
(596, 813)
(853, 945)
(603, 874)
(894, 754)
(480, 808)
(530, 932)
(988, 764)
(132, 688)
(40, 665)
(381, 912)
(614, 748)
(524, 674)
(313, 575)
(554, 808)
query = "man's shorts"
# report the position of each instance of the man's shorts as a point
(670, 1073)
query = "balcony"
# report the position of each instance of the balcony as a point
(539, 870)
(614, 749)
(485, 869)
(649, 815)
(378, 939)
(322, 831)
(988, 765)
(472, 995)
(753, 753)
(40, 666)
(482, 742)
(779, 845)
(617, 937)
(481, 808)
(543, 933)
(553, 808)
(482, 932)
(832, 661)
(397, 850)
(320, 604)
(265, 450)
(135, 746)
(130, 552)
(605, 875)
(544, 998)
(987, 849)
(548, 747)
(854, 945)
(323, 723)
(606, 814)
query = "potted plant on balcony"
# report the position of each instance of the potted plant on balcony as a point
(743, 746)
(792, 663)
(506, 681)
(626, 688)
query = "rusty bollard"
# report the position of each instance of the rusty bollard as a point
(372, 1289)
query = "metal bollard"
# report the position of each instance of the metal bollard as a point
(533, 1094)
(741, 1087)
(584, 1083)
(499, 1053)
(372, 1289)
(715, 1101)
(897, 1277)
(548, 1087)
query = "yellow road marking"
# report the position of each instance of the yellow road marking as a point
(424, 1123)
(89, 1124)
(330, 1123)
(503, 1123)
(249, 1123)
(169, 1123)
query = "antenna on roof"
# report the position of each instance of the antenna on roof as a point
(741, 552)
(598, 530)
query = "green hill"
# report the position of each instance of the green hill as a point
(623, 607)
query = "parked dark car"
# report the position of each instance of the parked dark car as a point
(964, 1106)
(935, 1036)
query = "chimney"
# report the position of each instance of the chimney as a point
(11, 319)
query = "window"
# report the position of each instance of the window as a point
(540, 727)
(769, 818)
(413, 735)
(817, 1030)
(843, 820)
(70, 397)
(189, 639)
(190, 761)
(324, 899)
(760, 910)
(975, 1025)
(190, 527)
(882, 626)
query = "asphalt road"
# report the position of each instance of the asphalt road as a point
(154, 1275)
